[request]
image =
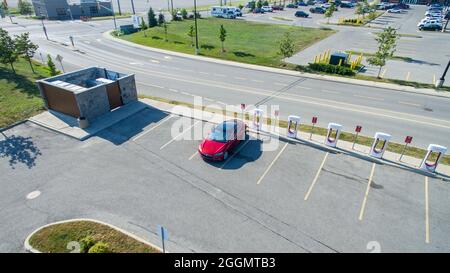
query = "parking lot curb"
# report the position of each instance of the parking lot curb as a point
(30, 249)
(390, 86)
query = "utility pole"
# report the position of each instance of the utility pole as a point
(111, 10)
(171, 4)
(440, 83)
(118, 6)
(196, 28)
(132, 6)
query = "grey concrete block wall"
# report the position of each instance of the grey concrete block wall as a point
(128, 90)
(93, 102)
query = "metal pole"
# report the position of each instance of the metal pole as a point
(440, 83)
(118, 6)
(354, 141)
(45, 30)
(403, 151)
(132, 6)
(310, 135)
(196, 28)
(171, 3)
(162, 238)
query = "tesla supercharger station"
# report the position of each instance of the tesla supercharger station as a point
(380, 144)
(257, 119)
(293, 122)
(434, 151)
(334, 130)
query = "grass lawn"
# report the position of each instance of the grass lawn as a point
(246, 42)
(54, 238)
(346, 136)
(19, 95)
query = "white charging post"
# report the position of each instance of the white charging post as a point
(380, 144)
(293, 122)
(434, 151)
(257, 119)
(334, 131)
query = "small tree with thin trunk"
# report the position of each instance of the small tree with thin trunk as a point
(25, 48)
(161, 19)
(8, 52)
(165, 31)
(287, 46)
(329, 12)
(222, 36)
(191, 33)
(24, 7)
(387, 42)
(51, 66)
(152, 22)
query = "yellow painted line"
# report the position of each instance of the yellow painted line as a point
(361, 213)
(316, 177)
(192, 156)
(427, 221)
(271, 164)
(153, 128)
(409, 103)
(408, 75)
(180, 134)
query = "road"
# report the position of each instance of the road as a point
(424, 117)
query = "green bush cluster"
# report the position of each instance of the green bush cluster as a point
(331, 69)
(90, 245)
(99, 247)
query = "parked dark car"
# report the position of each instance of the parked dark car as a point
(292, 6)
(431, 27)
(402, 6)
(317, 10)
(258, 10)
(301, 13)
(310, 2)
(277, 7)
(302, 4)
(346, 5)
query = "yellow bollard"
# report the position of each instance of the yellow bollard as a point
(340, 62)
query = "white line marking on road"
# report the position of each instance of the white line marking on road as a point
(330, 91)
(185, 93)
(173, 90)
(208, 99)
(257, 81)
(221, 102)
(408, 75)
(409, 103)
(240, 78)
(271, 164)
(279, 83)
(154, 127)
(180, 134)
(316, 177)
(219, 75)
(361, 213)
(154, 61)
(157, 86)
(167, 57)
(367, 97)
(427, 221)
(234, 153)
(192, 156)
(204, 73)
(304, 87)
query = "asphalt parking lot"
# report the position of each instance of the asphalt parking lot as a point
(141, 172)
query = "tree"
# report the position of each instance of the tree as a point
(287, 46)
(184, 14)
(25, 48)
(259, 4)
(143, 27)
(51, 66)
(165, 31)
(191, 33)
(222, 36)
(361, 8)
(24, 7)
(329, 12)
(8, 52)
(387, 42)
(152, 22)
(161, 19)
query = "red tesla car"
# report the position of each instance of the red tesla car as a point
(223, 138)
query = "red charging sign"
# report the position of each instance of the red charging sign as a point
(358, 129)
(314, 120)
(408, 139)
(242, 106)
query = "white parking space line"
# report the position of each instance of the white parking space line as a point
(427, 221)
(361, 213)
(257, 81)
(180, 134)
(151, 129)
(173, 90)
(271, 164)
(367, 97)
(316, 177)
(193, 155)
(304, 87)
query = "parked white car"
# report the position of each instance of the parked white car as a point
(223, 12)
(267, 8)
(394, 10)
(236, 11)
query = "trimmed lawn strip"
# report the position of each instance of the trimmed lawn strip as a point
(19, 95)
(346, 136)
(54, 238)
(247, 42)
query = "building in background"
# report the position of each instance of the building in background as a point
(73, 9)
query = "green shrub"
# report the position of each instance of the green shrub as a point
(99, 247)
(184, 14)
(86, 243)
(331, 69)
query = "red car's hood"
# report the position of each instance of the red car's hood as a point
(212, 147)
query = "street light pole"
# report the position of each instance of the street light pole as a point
(440, 83)
(45, 29)
(118, 6)
(196, 28)
(132, 6)
(111, 10)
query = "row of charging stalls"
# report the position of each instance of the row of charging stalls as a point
(429, 163)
